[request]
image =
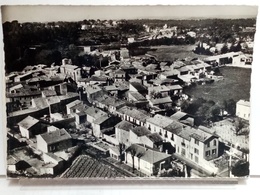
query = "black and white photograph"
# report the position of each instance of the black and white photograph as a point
(111, 92)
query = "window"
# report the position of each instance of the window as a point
(183, 152)
(191, 156)
(196, 151)
(208, 144)
(208, 153)
(214, 151)
(214, 142)
(160, 133)
(196, 159)
(165, 135)
(196, 141)
(172, 138)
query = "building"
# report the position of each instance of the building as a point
(165, 102)
(243, 109)
(94, 113)
(30, 127)
(54, 141)
(92, 92)
(119, 75)
(104, 122)
(133, 115)
(71, 71)
(148, 161)
(122, 131)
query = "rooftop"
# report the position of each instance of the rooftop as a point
(137, 96)
(95, 112)
(154, 137)
(125, 125)
(164, 100)
(140, 131)
(147, 154)
(55, 136)
(134, 113)
(159, 120)
(28, 122)
(178, 115)
(138, 86)
(243, 103)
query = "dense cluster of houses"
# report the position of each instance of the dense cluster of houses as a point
(123, 104)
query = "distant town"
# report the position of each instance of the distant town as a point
(128, 98)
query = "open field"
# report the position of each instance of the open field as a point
(236, 85)
(170, 53)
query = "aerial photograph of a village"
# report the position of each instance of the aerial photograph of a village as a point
(116, 92)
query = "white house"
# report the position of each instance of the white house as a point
(146, 160)
(243, 109)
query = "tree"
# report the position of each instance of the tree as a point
(231, 107)
(132, 151)
(239, 125)
(155, 95)
(240, 169)
(224, 49)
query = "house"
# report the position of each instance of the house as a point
(112, 90)
(103, 122)
(133, 115)
(14, 164)
(160, 91)
(23, 77)
(137, 87)
(153, 140)
(92, 92)
(146, 160)
(119, 75)
(183, 118)
(122, 132)
(71, 106)
(54, 141)
(48, 93)
(242, 59)
(109, 103)
(197, 145)
(165, 102)
(71, 71)
(94, 113)
(137, 99)
(136, 134)
(243, 109)
(175, 89)
(30, 127)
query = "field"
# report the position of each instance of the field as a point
(86, 167)
(236, 85)
(170, 53)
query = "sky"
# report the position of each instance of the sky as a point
(48, 13)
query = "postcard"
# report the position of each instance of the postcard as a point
(128, 91)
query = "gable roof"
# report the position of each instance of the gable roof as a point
(74, 103)
(160, 120)
(140, 131)
(154, 137)
(95, 112)
(164, 100)
(134, 113)
(125, 125)
(146, 154)
(28, 122)
(138, 86)
(55, 136)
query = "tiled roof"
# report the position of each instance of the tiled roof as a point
(28, 122)
(55, 136)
